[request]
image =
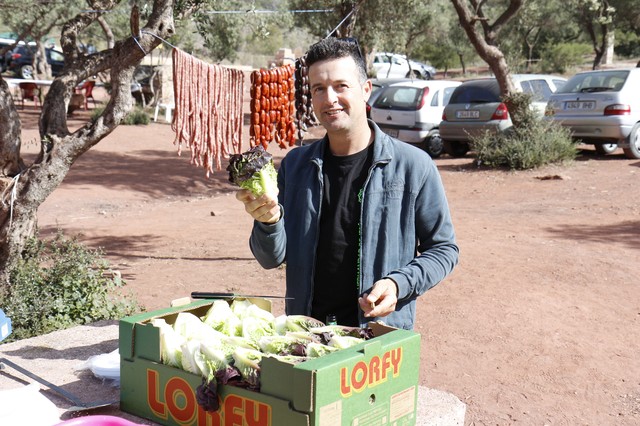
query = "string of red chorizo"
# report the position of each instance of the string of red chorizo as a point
(208, 115)
(272, 107)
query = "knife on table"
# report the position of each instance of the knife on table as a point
(220, 295)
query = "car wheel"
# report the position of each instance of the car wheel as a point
(414, 74)
(26, 72)
(455, 149)
(606, 148)
(633, 150)
(433, 144)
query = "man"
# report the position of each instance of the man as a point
(361, 219)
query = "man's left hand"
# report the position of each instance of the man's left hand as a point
(382, 299)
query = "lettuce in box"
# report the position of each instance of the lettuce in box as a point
(170, 343)
(221, 317)
(247, 361)
(254, 170)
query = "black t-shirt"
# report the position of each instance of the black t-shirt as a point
(335, 288)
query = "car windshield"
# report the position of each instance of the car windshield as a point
(476, 92)
(405, 98)
(601, 81)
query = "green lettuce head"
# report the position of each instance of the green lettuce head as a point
(254, 170)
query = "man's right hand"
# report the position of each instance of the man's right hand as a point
(263, 209)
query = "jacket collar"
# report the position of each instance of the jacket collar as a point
(382, 150)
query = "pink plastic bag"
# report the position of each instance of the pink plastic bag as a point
(98, 421)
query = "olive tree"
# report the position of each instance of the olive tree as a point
(26, 185)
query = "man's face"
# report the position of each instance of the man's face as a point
(338, 97)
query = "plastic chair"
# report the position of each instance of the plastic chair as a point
(30, 91)
(86, 89)
(168, 111)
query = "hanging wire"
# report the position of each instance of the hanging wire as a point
(158, 37)
(222, 12)
(154, 35)
(139, 45)
(341, 22)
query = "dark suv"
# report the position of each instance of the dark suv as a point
(20, 61)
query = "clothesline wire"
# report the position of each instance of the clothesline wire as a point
(341, 22)
(318, 10)
(223, 12)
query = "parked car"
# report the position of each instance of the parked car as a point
(411, 111)
(20, 61)
(377, 84)
(602, 108)
(393, 65)
(5, 43)
(476, 107)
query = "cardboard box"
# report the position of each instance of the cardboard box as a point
(374, 383)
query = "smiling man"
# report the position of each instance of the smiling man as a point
(361, 219)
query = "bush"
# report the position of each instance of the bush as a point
(561, 57)
(136, 116)
(531, 145)
(60, 284)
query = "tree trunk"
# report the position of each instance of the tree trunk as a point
(24, 188)
(463, 65)
(41, 67)
(485, 44)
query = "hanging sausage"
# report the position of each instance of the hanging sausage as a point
(271, 107)
(208, 115)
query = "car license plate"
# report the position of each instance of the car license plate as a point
(468, 114)
(579, 105)
(392, 132)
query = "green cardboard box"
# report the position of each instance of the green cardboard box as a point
(374, 383)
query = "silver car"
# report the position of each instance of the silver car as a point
(602, 108)
(411, 111)
(476, 107)
(394, 65)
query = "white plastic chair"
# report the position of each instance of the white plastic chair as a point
(168, 111)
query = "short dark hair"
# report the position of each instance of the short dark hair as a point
(336, 48)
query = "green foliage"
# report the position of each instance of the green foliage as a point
(520, 110)
(59, 284)
(137, 116)
(528, 146)
(628, 43)
(561, 57)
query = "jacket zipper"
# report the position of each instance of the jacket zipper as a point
(360, 248)
(318, 164)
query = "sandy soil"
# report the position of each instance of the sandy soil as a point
(538, 325)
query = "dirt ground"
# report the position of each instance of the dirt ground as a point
(538, 325)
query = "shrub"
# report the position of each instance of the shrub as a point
(60, 284)
(560, 57)
(530, 145)
(136, 116)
